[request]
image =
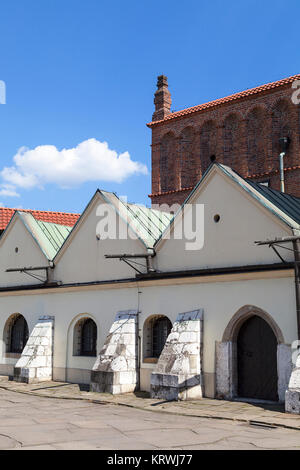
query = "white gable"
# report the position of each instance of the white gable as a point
(18, 249)
(229, 242)
(82, 257)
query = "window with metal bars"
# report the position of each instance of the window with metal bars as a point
(160, 331)
(19, 335)
(88, 344)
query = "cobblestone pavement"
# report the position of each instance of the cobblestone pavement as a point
(33, 422)
(272, 414)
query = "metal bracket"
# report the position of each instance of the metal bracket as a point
(125, 257)
(26, 270)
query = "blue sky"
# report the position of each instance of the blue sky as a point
(78, 71)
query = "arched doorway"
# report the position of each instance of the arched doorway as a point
(229, 381)
(257, 360)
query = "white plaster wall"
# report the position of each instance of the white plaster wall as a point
(68, 307)
(220, 301)
(230, 242)
(83, 259)
(29, 254)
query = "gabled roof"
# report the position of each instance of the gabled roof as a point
(290, 205)
(62, 218)
(147, 223)
(282, 205)
(48, 236)
(226, 99)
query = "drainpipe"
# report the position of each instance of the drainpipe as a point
(284, 143)
(281, 171)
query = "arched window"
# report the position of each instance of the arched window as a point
(88, 338)
(85, 338)
(18, 334)
(161, 330)
(156, 331)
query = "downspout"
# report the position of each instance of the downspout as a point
(284, 143)
(149, 264)
(281, 156)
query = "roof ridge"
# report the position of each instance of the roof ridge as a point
(37, 210)
(60, 218)
(225, 99)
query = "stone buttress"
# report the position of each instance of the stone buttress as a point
(177, 375)
(36, 361)
(116, 368)
(292, 395)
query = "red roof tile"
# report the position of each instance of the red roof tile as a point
(62, 218)
(219, 101)
(257, 175)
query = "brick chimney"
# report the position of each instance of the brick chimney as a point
(162, 99)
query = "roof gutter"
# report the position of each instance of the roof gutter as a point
(216, 271)
(157, 275)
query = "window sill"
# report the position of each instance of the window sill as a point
(150, 360)
(87, 355)
(12, 355)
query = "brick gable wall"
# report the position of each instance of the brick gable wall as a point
(241, 133)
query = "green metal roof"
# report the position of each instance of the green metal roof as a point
(48, 236)
(147, 223)
(283, 205)
(288, 204)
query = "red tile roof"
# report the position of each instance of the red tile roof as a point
(219, 101)
(257, 175)
(172, 191)
(62, 218)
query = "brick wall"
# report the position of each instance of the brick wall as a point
(242, 133)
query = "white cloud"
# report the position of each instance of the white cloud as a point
(91, 160)
(8, 190)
